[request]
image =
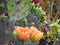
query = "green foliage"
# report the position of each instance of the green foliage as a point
(11, 7)
(37, 10)
(14, 35)
(2, 6)
(18, 9)
(54, 27)
(52, 34)
(25, 21)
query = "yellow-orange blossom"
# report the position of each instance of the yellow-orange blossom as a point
(25, 32)
(36, 35)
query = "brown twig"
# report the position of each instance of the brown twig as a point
(56, 16)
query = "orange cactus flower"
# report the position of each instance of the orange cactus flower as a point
(33, 30)
(36, 35)
(23, 32)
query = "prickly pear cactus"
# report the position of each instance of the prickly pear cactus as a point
(18, 9)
